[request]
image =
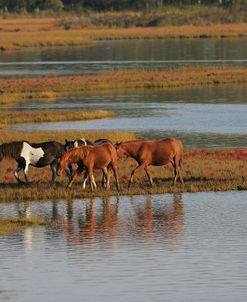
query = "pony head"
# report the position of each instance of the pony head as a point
(120, 150)
(62, 165)
(68, 145)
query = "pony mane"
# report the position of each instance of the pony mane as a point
(77, 153)
(12, 149)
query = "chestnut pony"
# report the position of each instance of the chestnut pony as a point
(89, 158)
(153, 153)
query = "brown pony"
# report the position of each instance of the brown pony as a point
(153, 153)
(89, 158)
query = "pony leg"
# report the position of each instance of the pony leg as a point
(149, 175)
(105, 171)
(103, 180)
(17, 170)
(177, 171)
(180, 172)
(114, 168)
(91, 179)
(69, 171)
(94, 183)
(53, 166)
(26, 172)
(69, 185)
(141, 166)
(21, 166)
(77, 173)
(85, 181)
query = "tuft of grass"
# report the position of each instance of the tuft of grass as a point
(11, 225)
(27, 116)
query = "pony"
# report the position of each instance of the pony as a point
(155, 153)
(84, 142)
(35, 154)
(90, 158)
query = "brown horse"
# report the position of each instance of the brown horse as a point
(90, 158)
(153, 153)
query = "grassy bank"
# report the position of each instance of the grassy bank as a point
(75, 30)
(203, 170)
(15, 117)
(169, 15)
(17, 40)
(21, 89)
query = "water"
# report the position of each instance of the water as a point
(189, 247)
(182, 247)
(132, 54)
(201, 117)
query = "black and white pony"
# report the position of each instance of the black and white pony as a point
(37, 155)
(84, 142)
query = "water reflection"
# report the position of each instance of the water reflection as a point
(108, 219)
(132, 54)
(188, 247)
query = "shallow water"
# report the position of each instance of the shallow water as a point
(133, 54)
(189, 247)
(201, 117)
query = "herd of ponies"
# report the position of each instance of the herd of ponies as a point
(101, 154)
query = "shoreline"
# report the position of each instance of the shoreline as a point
(204, 170)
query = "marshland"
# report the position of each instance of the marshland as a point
(176, 72)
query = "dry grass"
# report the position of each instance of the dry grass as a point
(184, 31)
(20, 24)
(13, 98)
(27, 32)
(60, 136)
(204, 170)
(14, 117)
(16, 40)
(21, 89)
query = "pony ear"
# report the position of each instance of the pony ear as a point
(66, 141)
(117, 144)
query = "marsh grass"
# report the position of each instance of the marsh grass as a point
(203, 170)
(17, 40)
(22, 89)
(27, 116)
(172, 22)
(13, 98)
(41, 136)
